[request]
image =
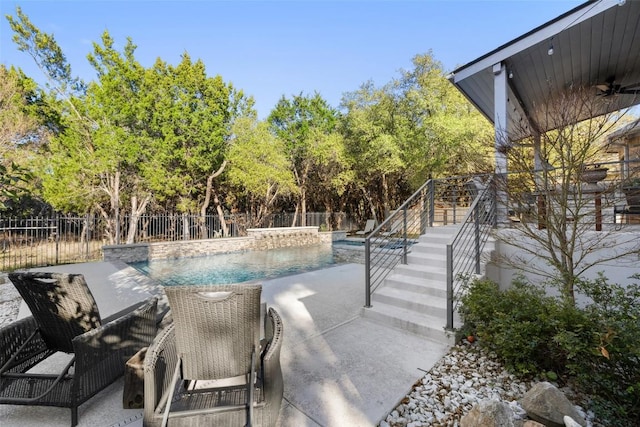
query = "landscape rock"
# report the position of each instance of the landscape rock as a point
(489, 413)
(570, 422)
(548, 405)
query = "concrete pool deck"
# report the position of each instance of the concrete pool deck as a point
(339, 369)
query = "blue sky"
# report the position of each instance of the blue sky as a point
(274, 48)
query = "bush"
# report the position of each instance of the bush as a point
(519, 325)
(596, 347)
(609, 368)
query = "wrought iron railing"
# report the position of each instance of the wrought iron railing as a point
(63, 239)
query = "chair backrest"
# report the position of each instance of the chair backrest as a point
(370, 225)
(396, 226)
(61, 304)
(217, 328)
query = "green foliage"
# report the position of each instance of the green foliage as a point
(258, 167)
(308, 127)
(516, 324)
(12, 183)
(596, 346)
(609, 369)
(137, 137)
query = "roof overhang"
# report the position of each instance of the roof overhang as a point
(592, 44)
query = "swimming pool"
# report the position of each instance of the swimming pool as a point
(237, 266)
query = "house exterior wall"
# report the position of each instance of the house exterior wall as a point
(625, 245)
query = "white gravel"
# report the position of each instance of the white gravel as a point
(463, 377)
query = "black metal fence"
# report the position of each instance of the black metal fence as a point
(63, 239)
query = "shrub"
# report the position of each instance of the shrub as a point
(609, 367)
(596, 347)
(519, 324)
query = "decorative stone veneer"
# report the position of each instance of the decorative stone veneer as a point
(257, 239)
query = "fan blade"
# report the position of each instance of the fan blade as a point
(633, 89)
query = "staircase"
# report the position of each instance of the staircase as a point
(414, 296)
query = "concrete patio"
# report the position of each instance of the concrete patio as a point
(339, 368)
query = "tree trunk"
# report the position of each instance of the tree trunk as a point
(303, 208)
(295, 214)
(136, 211)
(223, 222)
(372, 206)
(385, 196)
(207, 200)
(185, 227)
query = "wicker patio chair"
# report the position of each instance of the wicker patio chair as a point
(214, 338)
(65, 318)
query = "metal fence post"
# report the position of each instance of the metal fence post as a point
(449, 287)
(367, 270)
(432, 208)
(477, 235)
(57, 237)
(404, 237)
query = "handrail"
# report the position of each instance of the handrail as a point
(386, 247)
(390, 242)
(465, 248)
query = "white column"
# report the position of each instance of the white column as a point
(500, 115)
(501, 141)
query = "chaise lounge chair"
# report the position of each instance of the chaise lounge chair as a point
(368, 227)
(65, 318)
(396, 227)
(210, 364)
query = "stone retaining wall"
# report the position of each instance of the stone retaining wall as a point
(257, 239)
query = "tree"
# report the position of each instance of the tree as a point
(135, 134)
(561, 243)
(190, 122)
(373, 145)
(259, 168)
(441, 132)
(308, 126)
(415, 127)
(18, 131)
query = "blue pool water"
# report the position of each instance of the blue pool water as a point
(237, 266)
(349, 242)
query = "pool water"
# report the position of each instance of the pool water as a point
(349, 242)
(237, 266)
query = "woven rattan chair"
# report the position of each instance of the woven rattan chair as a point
(65, 318)
(211, 364)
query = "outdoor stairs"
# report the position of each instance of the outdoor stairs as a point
(414, 296)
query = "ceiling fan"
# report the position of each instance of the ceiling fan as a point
(611, 88)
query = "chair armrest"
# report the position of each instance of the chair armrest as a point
(159, 363)
(101, 353)
(14, 335)
(272, 371)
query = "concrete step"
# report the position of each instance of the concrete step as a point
(408, 320)
(426, 272)
(413, 296)
(425, 304)
(429, 248)
(426, 259)
(434, 288)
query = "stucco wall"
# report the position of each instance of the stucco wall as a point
(623, 246)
